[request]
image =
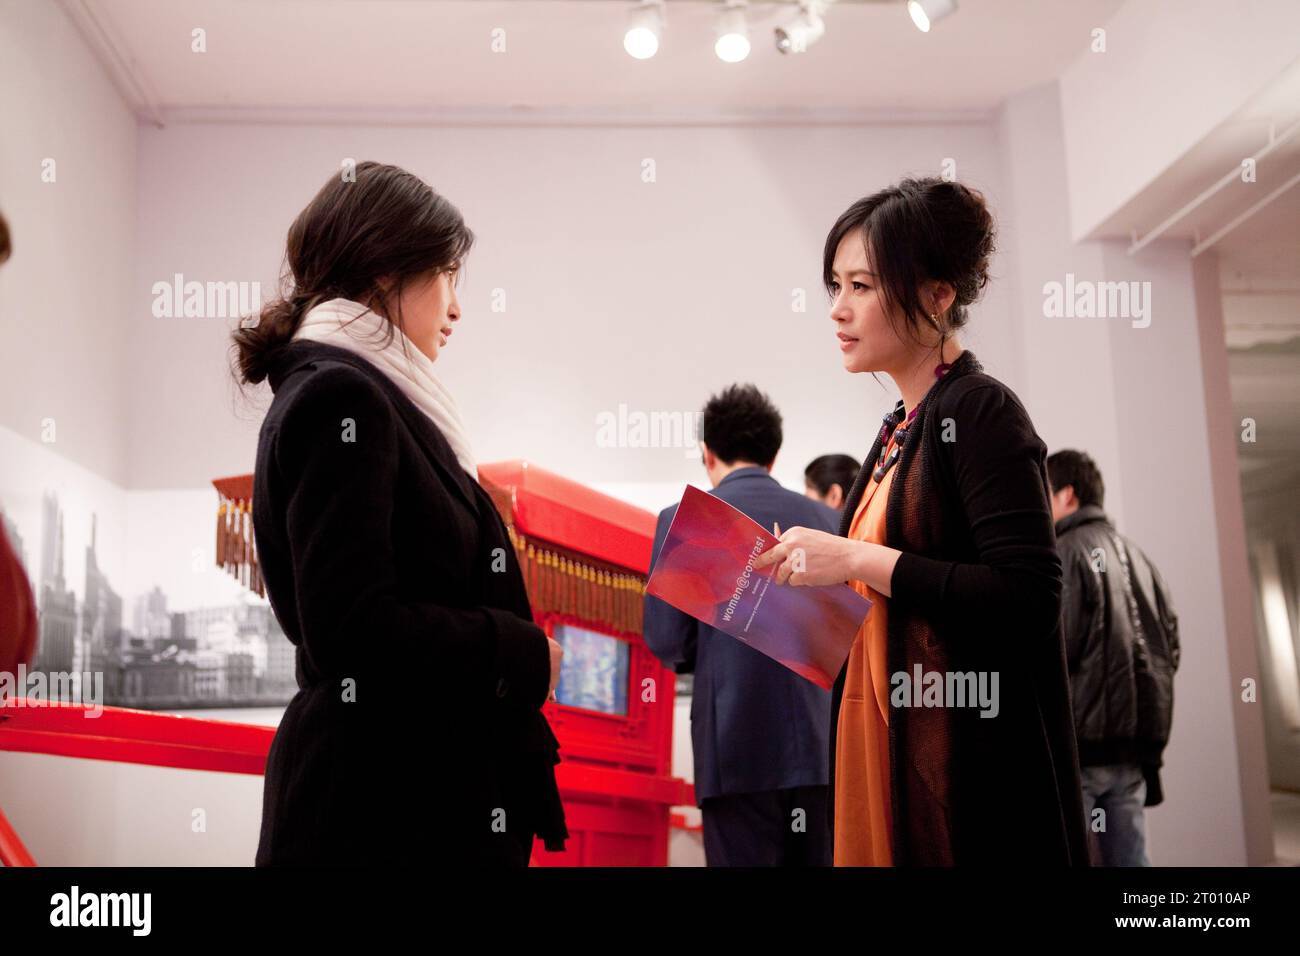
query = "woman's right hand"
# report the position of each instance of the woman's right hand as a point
(557, 655)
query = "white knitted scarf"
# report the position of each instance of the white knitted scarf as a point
(352, 326)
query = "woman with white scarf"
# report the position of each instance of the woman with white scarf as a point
(417, 731)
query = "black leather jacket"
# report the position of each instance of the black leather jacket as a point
(1121, 646)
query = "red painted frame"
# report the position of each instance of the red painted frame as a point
(630, 787)
(194, 743)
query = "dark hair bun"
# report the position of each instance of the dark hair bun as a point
(919, 230)
(961, 214)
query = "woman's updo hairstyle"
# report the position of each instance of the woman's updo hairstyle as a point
(920, 230)
(384, 223)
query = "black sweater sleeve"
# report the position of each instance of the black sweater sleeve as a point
(339, 514)
(996, 461)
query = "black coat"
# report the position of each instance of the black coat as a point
(417, 734)
(977, 589)
(1121, 645)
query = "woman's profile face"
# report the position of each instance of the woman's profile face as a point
(866, 340)
(428, 309)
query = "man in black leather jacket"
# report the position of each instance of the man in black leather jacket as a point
(1121, 643)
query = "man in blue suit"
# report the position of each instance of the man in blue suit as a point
(759, 731)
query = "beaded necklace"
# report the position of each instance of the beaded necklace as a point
(894, 431)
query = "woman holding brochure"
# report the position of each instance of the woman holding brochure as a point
(951, 738)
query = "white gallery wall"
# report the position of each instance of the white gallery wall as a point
(622, 287)
(1134, 393)
(1170, 73)
(67, 188)
(616, 290)
(64, 390)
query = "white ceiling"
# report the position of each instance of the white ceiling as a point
(394, 61)
(390, 58)
(1254, 227)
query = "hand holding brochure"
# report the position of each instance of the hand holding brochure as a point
(705, 569)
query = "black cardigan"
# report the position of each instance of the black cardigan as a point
(417, 734)
(977, 588)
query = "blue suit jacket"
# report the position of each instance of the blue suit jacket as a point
(755, 725)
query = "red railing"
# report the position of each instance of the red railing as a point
(196, 743)
(125, 736)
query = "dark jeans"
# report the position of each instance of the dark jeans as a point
(1120, 790)
(763, 829)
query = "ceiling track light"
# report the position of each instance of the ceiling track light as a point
(644, 28)
(802, 30)
(732, 44)
(926, 13)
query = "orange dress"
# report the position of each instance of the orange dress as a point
(863, 814)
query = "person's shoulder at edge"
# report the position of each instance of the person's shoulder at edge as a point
(320, 399)
(662, 524)
(986, 391)
(829, 515)
(971, 383)
(799, 502)
(323, 383)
